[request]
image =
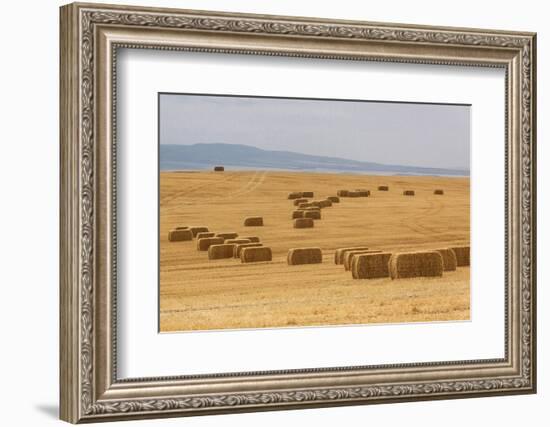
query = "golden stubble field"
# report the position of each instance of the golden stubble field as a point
(198, 294)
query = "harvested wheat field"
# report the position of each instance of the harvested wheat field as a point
(198, 294)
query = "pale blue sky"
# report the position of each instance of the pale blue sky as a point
(393, 133)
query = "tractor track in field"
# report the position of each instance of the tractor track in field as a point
(412, 223)
(255, 181)
(228, 177)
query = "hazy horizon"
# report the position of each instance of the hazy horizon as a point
(409, 134)
(294, 152)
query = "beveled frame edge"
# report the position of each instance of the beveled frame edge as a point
(89, 396)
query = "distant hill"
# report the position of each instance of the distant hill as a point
(237, 156)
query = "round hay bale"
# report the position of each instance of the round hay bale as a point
(205, 234)
(341, 252)
(342, 193)
(439, 192)
(307, 194)
(348, 257)
(462, 254)
(334, 199)
(256, 254)
(416, 264)
(204, 243)
(228, 235)
(303, 223)
(219, 168)
(239, 247)
(253, 239)
(383, 188)
(298, 214)
(370, 266)
(298, 201)
(254, 221)
(180, 235)
(198, 229)
(299, 256)
(221, 251)
(408, 193)
(313, 214)
(294, 195)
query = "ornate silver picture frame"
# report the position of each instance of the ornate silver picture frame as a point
(91, 35)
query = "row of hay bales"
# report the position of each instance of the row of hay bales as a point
(366, 193)
(437, 192)
(181, 234)
(366, 263)
(230, 245)
(187, 233)
(306, 211)
(223, 245)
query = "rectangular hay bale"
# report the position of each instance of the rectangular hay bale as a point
(239, 247)
(348, 257)
(204, 234)
(300, 256)
(198, 229)
(236, 241)
(253, 239)
(438, 192)
(307, 194)
(408, 193)
(313, 214)
(340, 253)
(256, 254)
(383, 188)
(342, 193)
(254, 221)
(334, 199)
(298, 201)
(303, 223)
(416, 264)
(294, 195)
(462, 254)
(298, 214)
(228, 235)
(204, 243)
(180, 235)
(221, 251)
(363, 192)
(371, 266)
(449, 259)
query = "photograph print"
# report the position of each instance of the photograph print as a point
(300, 212)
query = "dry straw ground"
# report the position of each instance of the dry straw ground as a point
(197, 294)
